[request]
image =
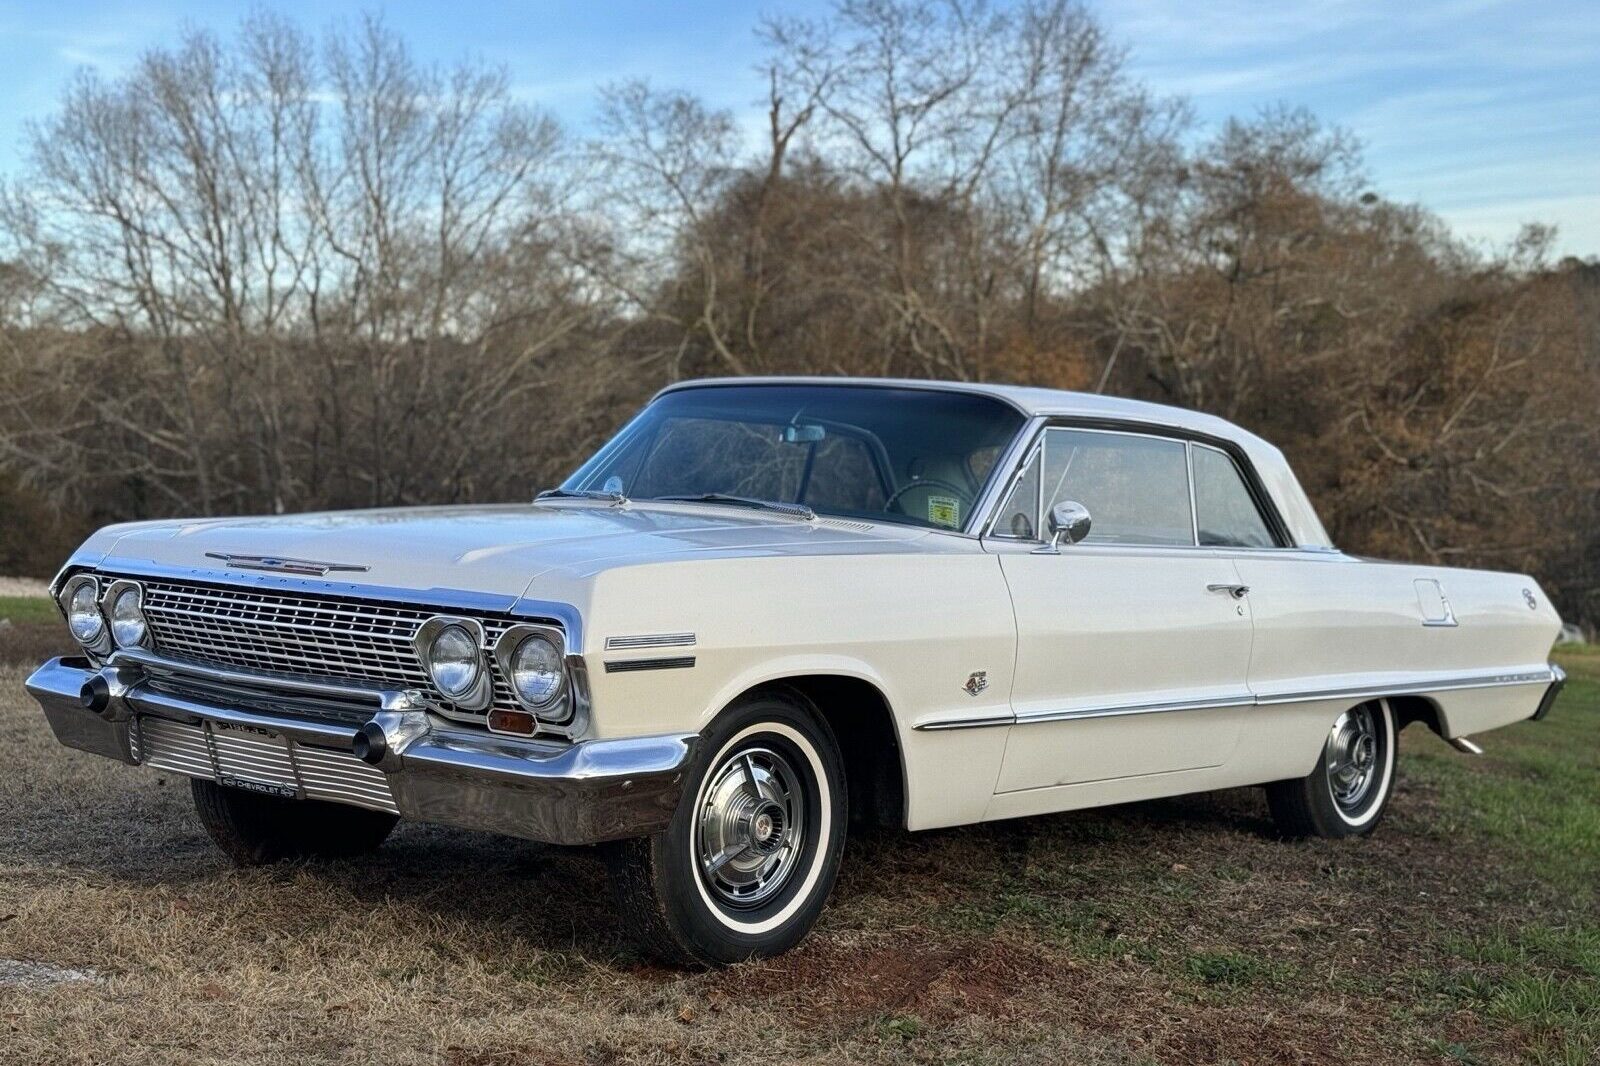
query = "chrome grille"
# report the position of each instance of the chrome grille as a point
(305, 636)
(250, 756)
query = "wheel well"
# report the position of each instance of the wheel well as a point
(862, 722)
(1408, 709)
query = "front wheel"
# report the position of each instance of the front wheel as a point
(1345, 795)
(752, 852)
(254, 830)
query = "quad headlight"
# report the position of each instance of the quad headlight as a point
(125, 609)
(529, 659)
(535, 671)
(533, 660)
(80, 602)
(452, 651)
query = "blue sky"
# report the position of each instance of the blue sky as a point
(1486, 111)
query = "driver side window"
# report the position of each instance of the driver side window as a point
(1136, 488)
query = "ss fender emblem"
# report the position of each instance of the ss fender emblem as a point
(977, 682)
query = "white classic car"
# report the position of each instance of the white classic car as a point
(769, 608)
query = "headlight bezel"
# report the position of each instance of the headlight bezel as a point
(513, 668)
(114, 594)
(475, 696)
(98, 642)
(561, 706)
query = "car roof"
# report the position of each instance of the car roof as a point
(1028, 399)
(1305, 527)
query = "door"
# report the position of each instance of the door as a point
(1133, 645)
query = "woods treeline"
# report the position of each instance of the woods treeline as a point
(286, 271)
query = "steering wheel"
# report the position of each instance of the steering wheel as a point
(962, 495)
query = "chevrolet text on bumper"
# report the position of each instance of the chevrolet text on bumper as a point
(138, 709)
(770, 608)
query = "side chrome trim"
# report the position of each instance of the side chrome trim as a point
(650, 640)
(624, 666)
(933, 723)
(1413, 686)
(1243, 699)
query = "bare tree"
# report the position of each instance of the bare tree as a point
(296, 260)
(277, 272)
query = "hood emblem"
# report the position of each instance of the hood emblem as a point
(279, 565)
(977, 682)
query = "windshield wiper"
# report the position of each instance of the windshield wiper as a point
(797, 510)
(616, 499)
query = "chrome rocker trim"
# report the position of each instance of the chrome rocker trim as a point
(1553, 676)
(581, 793)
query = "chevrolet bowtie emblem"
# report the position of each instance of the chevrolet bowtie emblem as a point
(278, 565)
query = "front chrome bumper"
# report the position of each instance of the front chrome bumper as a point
(412, 763)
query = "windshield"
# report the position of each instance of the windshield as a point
(908, 455)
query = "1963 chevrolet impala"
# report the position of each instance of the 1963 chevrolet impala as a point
(769, 608)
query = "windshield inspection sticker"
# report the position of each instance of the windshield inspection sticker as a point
(944, 511)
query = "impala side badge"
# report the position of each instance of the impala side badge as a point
(977, 682)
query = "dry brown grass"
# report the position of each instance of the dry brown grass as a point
(1165, 932)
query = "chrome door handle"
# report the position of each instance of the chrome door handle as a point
(1238, 592)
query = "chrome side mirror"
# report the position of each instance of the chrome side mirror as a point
(1069, 522)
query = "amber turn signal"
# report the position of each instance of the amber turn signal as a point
(503, 721)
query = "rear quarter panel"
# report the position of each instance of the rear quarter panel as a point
(1330, 622)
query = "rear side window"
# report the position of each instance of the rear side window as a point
(1226, 512)
(1135, 488)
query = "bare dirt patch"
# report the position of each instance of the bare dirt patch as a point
(39, 974)
(28, 644)
(23, 586)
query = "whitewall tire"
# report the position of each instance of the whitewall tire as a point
(1347, 792)
(752, 852)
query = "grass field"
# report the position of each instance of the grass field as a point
(28, 609)
(1465, 931)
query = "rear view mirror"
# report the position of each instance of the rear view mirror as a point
(803, 434)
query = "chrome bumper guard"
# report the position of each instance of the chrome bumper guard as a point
(1559, 680)
(401, 759)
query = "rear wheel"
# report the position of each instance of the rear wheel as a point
(1347, 792)
(753, 850)
(255, 830)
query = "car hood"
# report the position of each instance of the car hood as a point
(498, 550)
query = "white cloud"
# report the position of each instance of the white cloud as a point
(1485, 110)
(1577, 219)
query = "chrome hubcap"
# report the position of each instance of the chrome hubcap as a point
(1352, 757)
(751, 827)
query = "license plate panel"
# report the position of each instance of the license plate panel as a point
(254, 760)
